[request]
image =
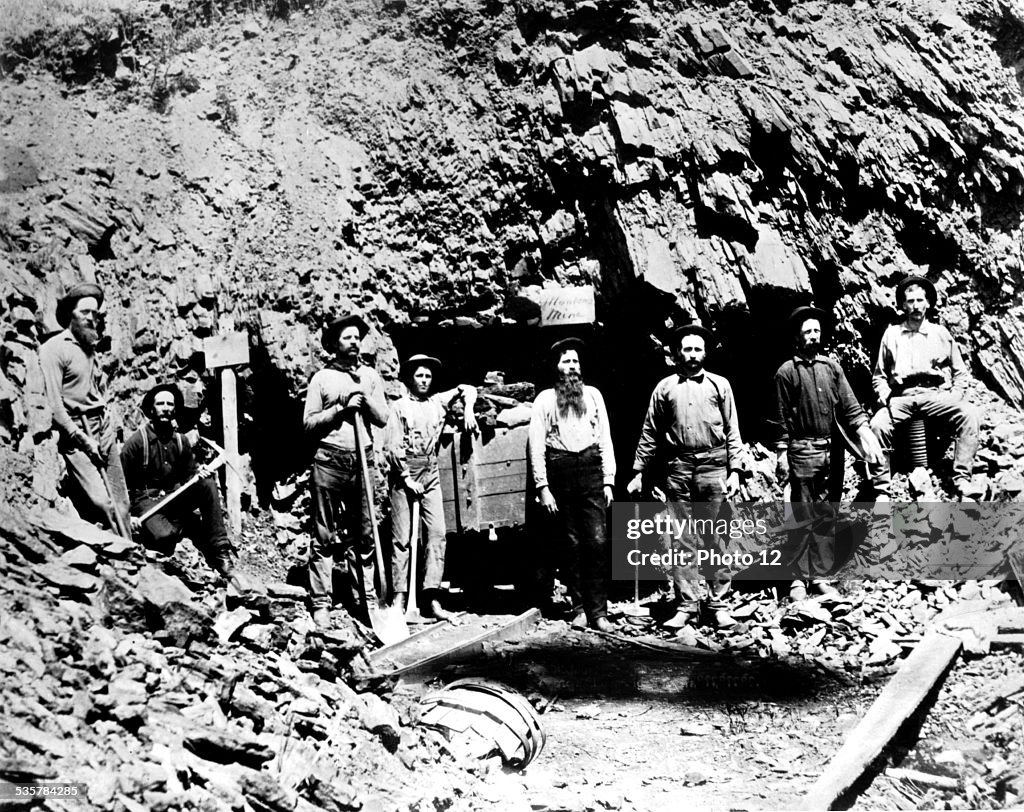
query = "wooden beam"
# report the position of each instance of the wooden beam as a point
(900, 698)
(232, 483)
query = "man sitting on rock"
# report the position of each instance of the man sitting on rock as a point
(158, 460)
(920, 373)
(411, 442)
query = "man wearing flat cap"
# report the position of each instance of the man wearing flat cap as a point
(920, 372)
(573, 467)
(157, 460)
(76, 392)
(412, 438)
(811, 394)
(692, 429)
(344, 392)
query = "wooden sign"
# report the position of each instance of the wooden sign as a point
(570, 305)
(226, 350)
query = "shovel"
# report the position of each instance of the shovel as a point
(387, 622)
(412, 612)
(636, 612)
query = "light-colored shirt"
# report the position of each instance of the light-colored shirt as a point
(912, 360)
(328, 391)
(549, 429)
(414, 428)
(686, 415)
(73, 382)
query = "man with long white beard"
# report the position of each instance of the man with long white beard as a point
(574, 469)
(77, 396)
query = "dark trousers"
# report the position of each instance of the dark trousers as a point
(163, 530)
(696, 483)
(576, 482)
(811, 548)
(341, 517)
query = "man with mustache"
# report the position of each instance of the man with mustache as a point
(157, 460)
(345, 391)
(691, 427)
(920, 372)
(411, 440)
(76, 393)
(574, 469)
(811, 393)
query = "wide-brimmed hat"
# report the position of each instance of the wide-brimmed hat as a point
(694, 328)
(420, 360)
(927, 284)
(329, 339)
(805, 312)
(563, 344)
(150, 397)
(67, 303)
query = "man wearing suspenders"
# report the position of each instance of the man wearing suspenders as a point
(157, 460)
(574, 469)
(691, 427)
(411, 440)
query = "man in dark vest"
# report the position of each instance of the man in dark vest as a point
(811, 394)
(157, 460)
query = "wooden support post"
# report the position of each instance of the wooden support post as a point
(232, 484)
(224, 352)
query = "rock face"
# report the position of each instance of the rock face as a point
(725, 161)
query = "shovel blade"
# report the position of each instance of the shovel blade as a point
(388, 624)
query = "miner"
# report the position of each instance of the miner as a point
(920, 372)
(158, 461)
(573, 467)
(76, 392)
(811, 394)
(691, 428)
(345, 392)
(411, 442)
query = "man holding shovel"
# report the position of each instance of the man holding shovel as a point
(342, 402)
(159, 461)
(411, 440)
(76, 394)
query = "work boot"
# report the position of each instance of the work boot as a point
(580, 621)
(322, 617)
(603, 624)
(438, 611)
(723, 620)
(682, 617)
(797, 591)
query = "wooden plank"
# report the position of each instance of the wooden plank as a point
(903, 695)
(518, 626)
(232, 484)
(396, 651)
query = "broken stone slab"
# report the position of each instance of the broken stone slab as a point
(70, 531)
(66, 578)
(35, 739)
(380, 719)
(228, 623)
(159, 589)
(233, 746)
(81, 557)
(279, 589)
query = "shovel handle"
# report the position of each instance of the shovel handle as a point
(414, 532)
(368, 493)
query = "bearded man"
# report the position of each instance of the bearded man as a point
(412, 438)
(691, 426)
(157, 460)
(76, 393)
(812, 393)
(574, 469)
(345, 392)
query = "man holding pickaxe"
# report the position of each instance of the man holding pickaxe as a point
(77, 397)
(167, 487)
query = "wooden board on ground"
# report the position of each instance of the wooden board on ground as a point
(448, 643)
(483, 484)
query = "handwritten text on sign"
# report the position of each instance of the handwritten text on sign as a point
(566, 306)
